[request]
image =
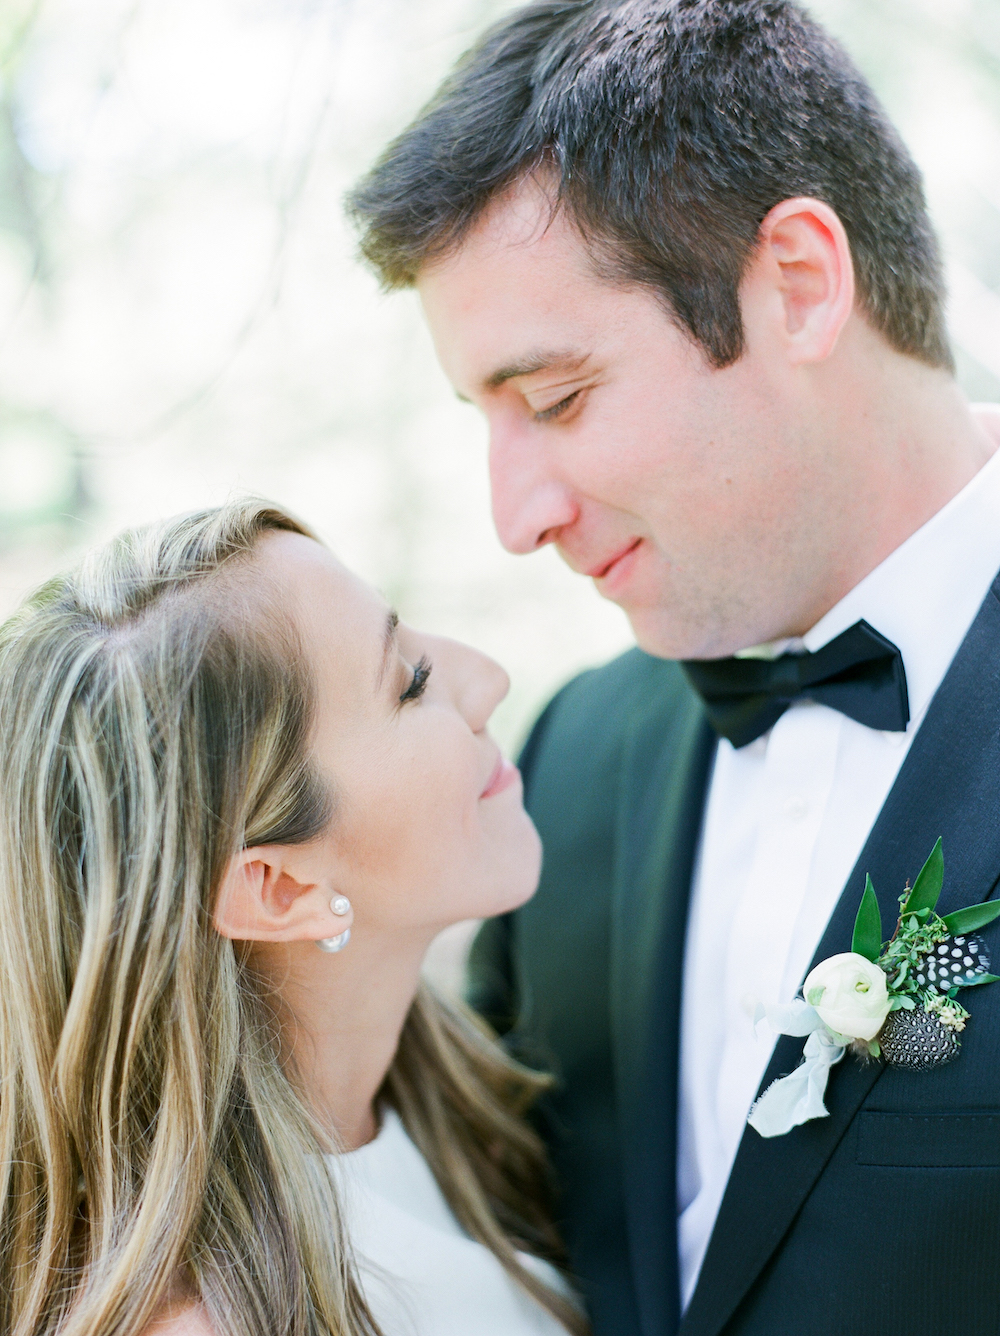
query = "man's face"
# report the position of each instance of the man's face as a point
(681, 490)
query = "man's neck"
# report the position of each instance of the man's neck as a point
(909, 449)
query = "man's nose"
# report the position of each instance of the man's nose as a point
(530, 504)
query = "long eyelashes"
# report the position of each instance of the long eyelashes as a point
(418, 681)
(547, 414)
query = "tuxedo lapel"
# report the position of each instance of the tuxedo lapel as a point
(949, 785)
(665, 776)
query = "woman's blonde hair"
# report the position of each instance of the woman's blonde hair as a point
(150, 727)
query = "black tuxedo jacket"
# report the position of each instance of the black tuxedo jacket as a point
(882, 1218)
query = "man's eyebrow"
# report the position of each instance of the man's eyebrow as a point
(388, 645)
(569, 359)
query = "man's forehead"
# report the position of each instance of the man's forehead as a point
(526, 213)
(511, 302)
(520, 233)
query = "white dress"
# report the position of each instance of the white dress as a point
(421, 1273)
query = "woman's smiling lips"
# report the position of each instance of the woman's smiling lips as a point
(505, 773)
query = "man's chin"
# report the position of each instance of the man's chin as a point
(666, 635)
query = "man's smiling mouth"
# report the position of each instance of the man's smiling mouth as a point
(599, 572)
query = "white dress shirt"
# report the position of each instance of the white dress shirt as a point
(785, 821)
(421, 1273)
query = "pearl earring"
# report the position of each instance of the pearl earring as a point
(340, 905)
(334, 944)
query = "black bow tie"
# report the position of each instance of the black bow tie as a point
(860, 673)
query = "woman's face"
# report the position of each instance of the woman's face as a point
(428, 825)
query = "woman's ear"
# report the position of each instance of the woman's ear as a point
(804, 272)
(261, 899)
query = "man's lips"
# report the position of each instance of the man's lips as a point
(505, 773)
(599, 572)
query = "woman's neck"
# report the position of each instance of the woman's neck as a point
(342, 1016)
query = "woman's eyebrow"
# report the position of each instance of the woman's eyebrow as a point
(388, 645)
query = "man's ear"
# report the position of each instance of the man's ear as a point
(261, 900)
(804, 260)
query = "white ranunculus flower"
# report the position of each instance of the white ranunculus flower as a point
(850, 995)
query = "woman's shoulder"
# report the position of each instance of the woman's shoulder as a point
(191, 1320)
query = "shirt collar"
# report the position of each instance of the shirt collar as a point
(925, 595)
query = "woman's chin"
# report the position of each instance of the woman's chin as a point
(520, 868)
(503, 876)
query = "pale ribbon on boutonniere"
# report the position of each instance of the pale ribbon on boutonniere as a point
(895, 1003)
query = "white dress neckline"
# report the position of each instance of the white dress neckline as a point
(421, 1273)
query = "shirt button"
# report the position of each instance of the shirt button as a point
(796, 808)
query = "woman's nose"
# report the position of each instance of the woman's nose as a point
(478, 684)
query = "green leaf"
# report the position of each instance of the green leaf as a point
(874, 1048)
(867, 939)
(968, 920)
(980, 978)
(927, 887)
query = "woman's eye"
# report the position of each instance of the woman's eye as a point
(418, 681)
(547, 414)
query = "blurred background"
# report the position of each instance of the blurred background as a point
(182, 318)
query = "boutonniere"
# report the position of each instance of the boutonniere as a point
(895, 1002)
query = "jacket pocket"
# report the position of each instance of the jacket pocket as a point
(929, 1141)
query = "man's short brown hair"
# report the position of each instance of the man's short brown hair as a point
(671, 128)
